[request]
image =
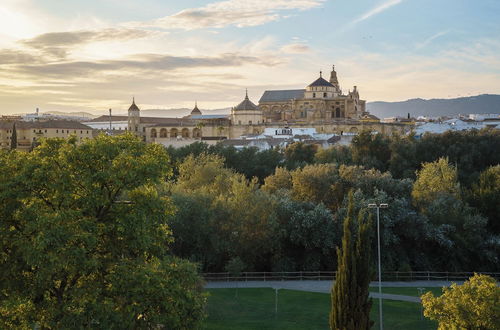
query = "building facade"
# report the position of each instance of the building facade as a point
(321, 106)
(321, 100)
(25, 135)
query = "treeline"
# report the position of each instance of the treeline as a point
(281, 210)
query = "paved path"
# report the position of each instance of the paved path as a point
(325, 286)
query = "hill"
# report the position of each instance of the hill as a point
(485, 103)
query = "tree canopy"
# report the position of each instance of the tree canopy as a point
(472, 305)
(85, 239)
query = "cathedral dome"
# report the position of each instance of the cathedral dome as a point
(246, 104)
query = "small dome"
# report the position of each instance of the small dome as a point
(196, 111)
(246, 104)
(133, 107)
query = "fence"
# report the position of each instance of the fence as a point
(330, 275)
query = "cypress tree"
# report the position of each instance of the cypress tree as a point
(350, 304)
(13, 138)
(365, 273)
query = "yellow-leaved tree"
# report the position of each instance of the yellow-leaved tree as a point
(472, 305)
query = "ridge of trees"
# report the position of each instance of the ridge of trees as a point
(296, 207)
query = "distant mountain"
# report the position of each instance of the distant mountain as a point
(485, 103)
(181, 112)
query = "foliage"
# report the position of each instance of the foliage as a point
(299, 154)
(220, 214)
(485, 196)
(473, 305)
(338, 154)
(350, 305)
(433, 180)
(316, 183)
(371, 150)
(305, 236)
(248, 161)
(235, 266)
(472, 151)
(84, 239)
(404, 159)
(439, 222)
(280, 180)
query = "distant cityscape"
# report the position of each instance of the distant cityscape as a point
(320, 114)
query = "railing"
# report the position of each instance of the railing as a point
(330, 275)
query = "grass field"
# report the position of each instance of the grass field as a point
(406, 291)
(254, 309)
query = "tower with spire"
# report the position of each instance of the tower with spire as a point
(134, 118)
(334, 80)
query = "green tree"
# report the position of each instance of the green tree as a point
(84, 239)
(403, 161)
(473, 305)
(435, 179)
(371, 150)
(318, 183)
(305, 236)
(299, 154)
(280, 180)
(235, 267)
(336, 154)
(235, 213)
(485, 196)
(350, 303)
(13, 138)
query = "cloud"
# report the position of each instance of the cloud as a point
(239, 13)
(295, 48)
(377, 10)
(431, 39)
(9, 56)
(60, 43)
(152, 63)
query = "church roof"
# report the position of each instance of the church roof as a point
(133, 106)
(321, 82)
(282, 95)
(69, 124)
(106, 118)
(246, 105)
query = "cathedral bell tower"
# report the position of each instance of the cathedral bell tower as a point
(134, 118)
(334, 80)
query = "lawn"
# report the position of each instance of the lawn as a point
(254, 309)
(407, 291)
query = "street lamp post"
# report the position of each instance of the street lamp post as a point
(378, 207)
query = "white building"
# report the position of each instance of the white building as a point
(455, 125)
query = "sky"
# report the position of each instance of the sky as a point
(92, 55)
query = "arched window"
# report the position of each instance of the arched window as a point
(185, 132)
(337, 112)
(196, 133)
(314, 94)
(174, 132)
(163, 133)
(153, 133)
